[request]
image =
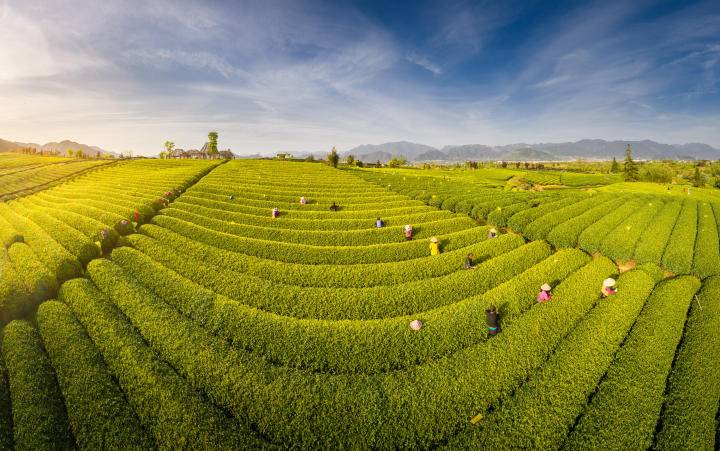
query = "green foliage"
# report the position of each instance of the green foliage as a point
(350, 160)
(614, 167)
(678, 256)
(333, 158)
(99, 415)
(175, 414)
(396, 162)
(39, 418)
(698, 180)
(625, 409)
(656, 173)
(706, 260)
(591, 238)
(693, 389)
(542, 411)
(6, 427)
(651, 245)
(620, 242)
(212, 149)
(630, 167)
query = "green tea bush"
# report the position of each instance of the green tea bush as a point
(543, 410)
(706, 258)
(638, 375)
(653, 240)
(99, 414)
(591, 238)
(6, 427)
(567, 233)
(39, 417)
(174, 413)
(693, 389)
(620, 242)
(678, 256)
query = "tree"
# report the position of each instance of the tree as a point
(350, 160)
(698, 179)
(70, 153)
(310, 158)
(359, 163)
(614, 167)
(333, 157)
(656, 172)
(169, 149)
(396, 162)
(162, 155)
(631, 169)
(98, 155)
(212, 144)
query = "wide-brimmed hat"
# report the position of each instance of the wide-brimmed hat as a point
(609, 282)
(546, 287)
(493, 230)
(416, 324)
(434, 239)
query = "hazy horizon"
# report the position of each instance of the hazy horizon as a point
(285, 76)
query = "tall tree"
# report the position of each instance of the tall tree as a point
(333, 157)
(212, 144)
(70, 153)
(350, 160)
(698, 179)
(631, 169)
(614, 167)
(169, 149)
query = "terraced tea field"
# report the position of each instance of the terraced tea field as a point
(208, 323)
(22, 175)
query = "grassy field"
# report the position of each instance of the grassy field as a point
(158, 304)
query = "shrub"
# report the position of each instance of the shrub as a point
(678, 256)
(6, 427)
(620, 242)
(39, 417)
(653, 240)
(564, 383)
(638, 375)
(175, 414)
(591, 237)
(693, 389)
(706, 260)
(567, 233)
(99, 414)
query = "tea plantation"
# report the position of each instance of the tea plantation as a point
(159, 304)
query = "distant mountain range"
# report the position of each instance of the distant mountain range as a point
(589, 149)
(62, 147)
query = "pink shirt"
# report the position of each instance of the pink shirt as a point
(543, 296)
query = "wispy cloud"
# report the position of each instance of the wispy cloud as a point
(308, 75)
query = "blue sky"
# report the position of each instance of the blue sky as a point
(307, 75)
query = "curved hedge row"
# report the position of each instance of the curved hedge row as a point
(175, 414)
(638, 375)
(39, 417)
(361, 275)
(543, 410)
(66, 226)
(6, 427)
(678, 256)
(364, 237)
(693, 390)
(99, 414)
(653, 240)
(340, 303)
(320, 404)
(706, 260)
(341, 346)
(620, 242)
